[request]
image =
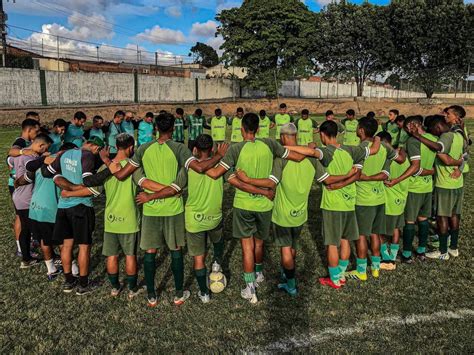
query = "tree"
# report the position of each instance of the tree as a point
(433, 40)
(204, 54)
(353, 41)
(270, 38)
(394, 81)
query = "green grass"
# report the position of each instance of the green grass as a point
(37, 316)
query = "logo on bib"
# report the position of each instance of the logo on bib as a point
(113, 218)
(200, 217)
(376, 190)
(296, 213)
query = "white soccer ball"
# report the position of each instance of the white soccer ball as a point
(217, 282)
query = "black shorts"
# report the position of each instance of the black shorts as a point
(74, 223)
(11, 189)
(43, 231)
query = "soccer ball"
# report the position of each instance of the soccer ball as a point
(217, 282)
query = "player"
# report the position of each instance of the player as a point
(306, 128)
(390, 126)
(146, 129)
(203, 214)
(281, 118)
(75, 129)
(402, 134)
(59, 127)
(129, 124)
(264, 125)
(22, 196)
(330, 117)
(75, 219)
(180, 124)
(218, 126)
(114, 129)
(350, 129)
(448, 182)
(236, 125)
(196, 125)
(97, 129)
(163, 220)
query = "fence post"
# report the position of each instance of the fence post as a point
(196, 81)
(135, 87)
(44, 97)
(320, 83)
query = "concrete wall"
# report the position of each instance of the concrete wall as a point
(164, 89)
(19, 87)
(217, 89)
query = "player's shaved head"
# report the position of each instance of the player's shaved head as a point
(204, 143)
(329, 128)
(165, 122)
(368, 125)
(250, 122)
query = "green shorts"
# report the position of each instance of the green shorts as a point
(418, 205)
(449, 201)
(371, 219)
(247, 224)
(114, 242)
(392, 223)
(339, 225)
(158, 232)
(198, 242)
(286, 236)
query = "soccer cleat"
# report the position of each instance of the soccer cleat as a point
(54, 275)
(326, 281)
(388, 265)
(68, 287)
(151, 301)
(355, 275)
(114, 292)
(91, 287)
(453, 252)
(178, 301)
(205, 298)
(375, 273)
(259, 278)
(438, 255)
(291, 291)
(216, 267)
(134, 293)
(18, 254)
(406, 260)
(29, 263)
(420, 256)
(249, 294)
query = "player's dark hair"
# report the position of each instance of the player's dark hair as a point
(119, 113)
(31, 114)
(43, 138)
(163, 111)
(458, 110)
(59, 123)
(396, 112)
(410, 119)
(400, 118)
(350, 112)
(369, 125)
(179, 111)
(445, 110)
(240, 109)
(97, 118)
(149, 114)
(282, 105)
(371, 114)
(329, 113)
(385, 137)
(79, 115)
(29, 123)
(204, 142)
(124, 141)
(329, 128)
(67, 146)
(164, 122)
(218, 112)
(305, 112)
(262, 113)
(198, 112)
(250, 122)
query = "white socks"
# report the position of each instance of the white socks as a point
(51, 267)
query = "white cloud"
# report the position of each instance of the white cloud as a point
(204, 29)
(161, 35)
(225, 5)
(324, 2)
(216, 42)
(173, 11)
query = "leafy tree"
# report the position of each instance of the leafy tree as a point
(353, 41)
(204, 54)
(269, 37)
(394, 81)
(433, 40)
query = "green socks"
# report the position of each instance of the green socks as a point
(177, 266)
(249, 278)
(149, 268)
(394, 251)
(114, 280)
(258, 267)
(443, 243)
(454, 238)
(343, 264)
(219, 251)
(384, 252)
(290, 278)
(334, 274)
(201, 276)
(375, 262)
(132, 282)
(423, 230)
(362, 265)
(408, 235)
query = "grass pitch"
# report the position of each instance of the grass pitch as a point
(420, 308)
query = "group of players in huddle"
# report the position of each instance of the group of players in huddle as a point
(378, 184)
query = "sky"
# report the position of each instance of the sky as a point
(169, 27)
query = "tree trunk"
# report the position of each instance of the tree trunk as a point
(360, 87)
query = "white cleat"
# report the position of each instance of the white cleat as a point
(216, 267)
(453, 252)
(249, 294)
(204, 298)
(437, 255)
(259, 278)
(178, 301)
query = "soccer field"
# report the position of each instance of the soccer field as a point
(425, 307)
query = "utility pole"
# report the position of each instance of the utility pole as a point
(98, 58)
(3, 32)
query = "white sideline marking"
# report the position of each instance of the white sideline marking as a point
(294, 343)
